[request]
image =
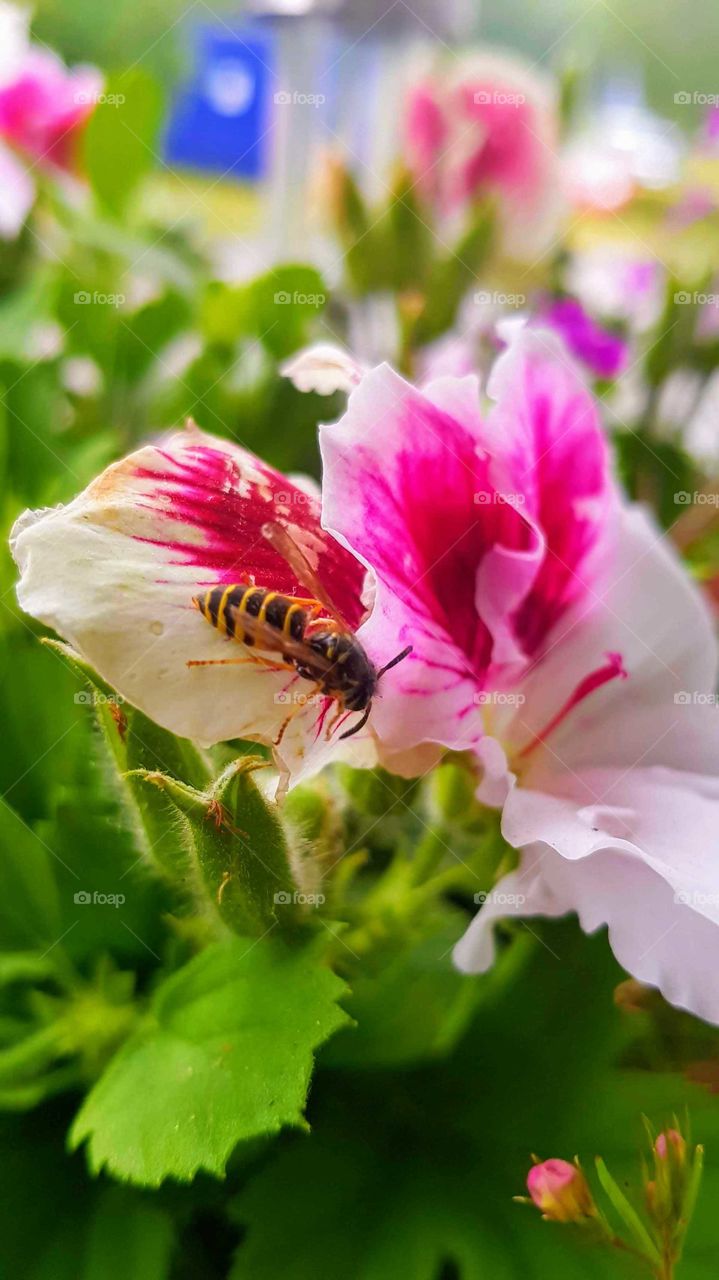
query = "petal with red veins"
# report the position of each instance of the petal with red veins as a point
(647, 609)
(407, 488)
(115, 572)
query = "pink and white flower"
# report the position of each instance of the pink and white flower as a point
(486, 125)
(555, 634)
(558, 637)
(43, 108)
(115, 573)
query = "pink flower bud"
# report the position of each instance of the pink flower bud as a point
(560, 1190)
(670, 1143)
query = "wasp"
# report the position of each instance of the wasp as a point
(309, 635)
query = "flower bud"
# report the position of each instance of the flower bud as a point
(671, 1145)
(561, 1191)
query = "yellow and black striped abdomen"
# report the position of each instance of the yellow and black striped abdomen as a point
(224, 606)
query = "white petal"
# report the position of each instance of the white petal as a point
(17, 194)
(323, 368)
(115, 573)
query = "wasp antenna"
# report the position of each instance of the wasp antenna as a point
(360, 724)
(400, 656)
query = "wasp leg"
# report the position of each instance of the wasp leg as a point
(300, 706)
(267, 663)
(340, 713)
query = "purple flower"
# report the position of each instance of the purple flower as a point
(601, 350)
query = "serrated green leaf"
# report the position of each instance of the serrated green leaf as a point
(225, 1056)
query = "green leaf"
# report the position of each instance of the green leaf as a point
(29, 905)
(277, 309)
(92, 1232)
(415, 1007)
(120, 140)
(225, 1056)
(127, 1238)
(453, 275)
(627, 1213)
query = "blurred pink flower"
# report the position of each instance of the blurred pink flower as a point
(43, 107)
(487, 127)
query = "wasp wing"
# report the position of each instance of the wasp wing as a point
(284, 544)
(275, 641)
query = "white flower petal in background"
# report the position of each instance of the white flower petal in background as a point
(323, 368)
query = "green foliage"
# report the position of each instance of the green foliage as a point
(225, 1056)
(121, 137)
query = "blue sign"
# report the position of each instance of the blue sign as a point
(219, 120)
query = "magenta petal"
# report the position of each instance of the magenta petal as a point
(409, 491)
(553, 458)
